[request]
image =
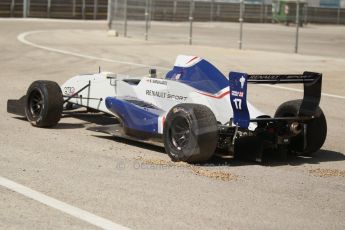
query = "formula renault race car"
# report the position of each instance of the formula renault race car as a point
(195, 111)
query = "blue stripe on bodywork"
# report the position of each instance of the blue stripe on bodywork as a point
(202, 76)
(238, 98)
(133, 116)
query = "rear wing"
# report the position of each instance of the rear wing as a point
(312, 83)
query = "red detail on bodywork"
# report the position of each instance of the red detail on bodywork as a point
(192, 59)
(217, 97)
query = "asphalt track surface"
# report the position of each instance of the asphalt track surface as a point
(119, 182)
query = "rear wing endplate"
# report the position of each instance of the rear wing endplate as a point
(238, 92)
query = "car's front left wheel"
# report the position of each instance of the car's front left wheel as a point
(190, 133)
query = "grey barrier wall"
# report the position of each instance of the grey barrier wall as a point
(69, 9)
(162, 10)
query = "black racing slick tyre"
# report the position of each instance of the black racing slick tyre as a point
(190, 133)
(316, 131)
(44, 103)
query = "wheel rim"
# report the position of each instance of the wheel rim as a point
(35, 103)
(180, 133)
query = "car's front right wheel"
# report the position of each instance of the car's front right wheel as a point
(44, 103)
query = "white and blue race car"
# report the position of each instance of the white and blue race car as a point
(194, 111)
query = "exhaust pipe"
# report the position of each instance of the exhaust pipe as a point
(295, 128)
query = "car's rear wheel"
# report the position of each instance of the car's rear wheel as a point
(316, 130)
(190, 133)
(44, 103)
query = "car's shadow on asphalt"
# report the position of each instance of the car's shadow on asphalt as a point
(133, 143)
(60, 125)
(269, 159)
(272, 160)
(92, 118)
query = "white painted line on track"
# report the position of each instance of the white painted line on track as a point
(22, 38)
(301, 91)
(61, 206)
